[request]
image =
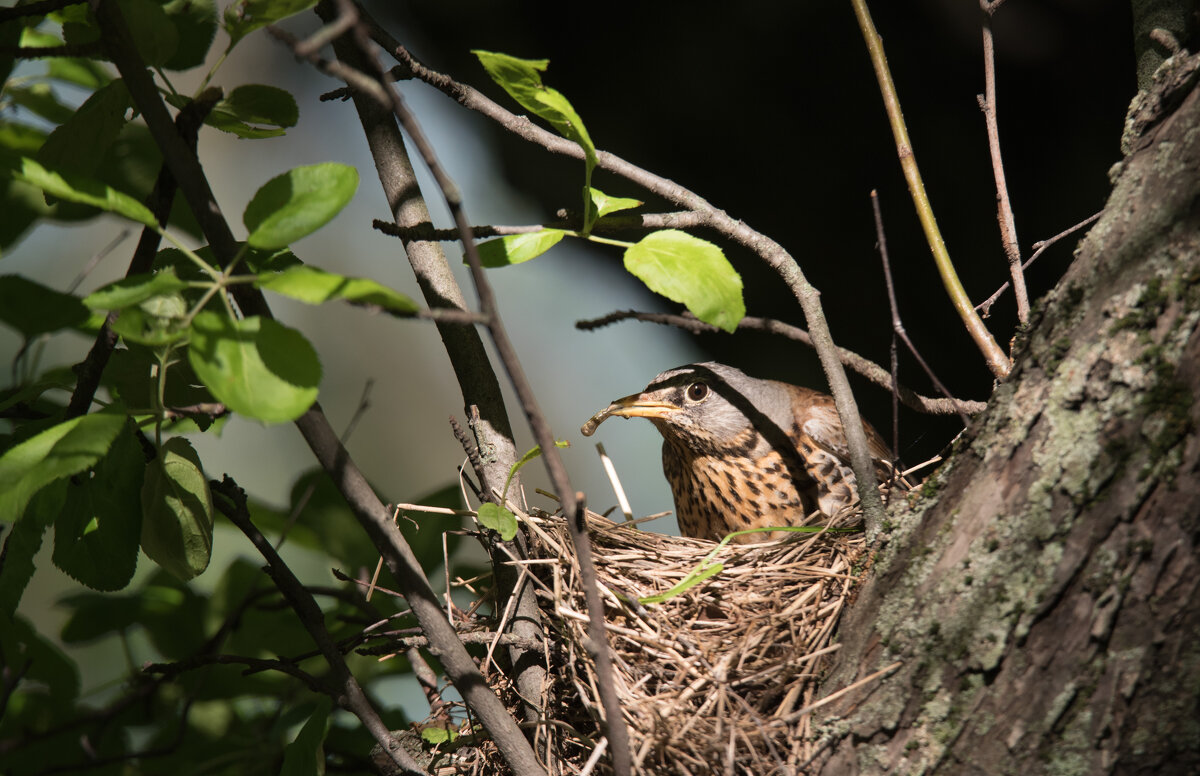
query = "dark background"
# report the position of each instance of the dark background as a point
(771, 111)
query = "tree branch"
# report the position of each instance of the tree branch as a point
(348, 694)
(313, 425)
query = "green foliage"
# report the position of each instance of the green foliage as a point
(316, 286)
(177, 511)
(298, 203)
(681, 267)
(256, 366)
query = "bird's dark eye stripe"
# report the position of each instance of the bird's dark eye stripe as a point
(697, 391)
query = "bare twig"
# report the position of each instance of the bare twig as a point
(767, 249)
(313, 425)
(617, 734)
(864, 367)
(897, 324)
(985, 306)
(1004, 212)
(346, 691)
(996, 360)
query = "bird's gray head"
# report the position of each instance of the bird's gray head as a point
(705, 407)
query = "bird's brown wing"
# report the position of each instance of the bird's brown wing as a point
(819, 420)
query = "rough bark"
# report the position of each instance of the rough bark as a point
(1041, 592)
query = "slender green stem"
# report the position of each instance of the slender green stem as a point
(604, 240)
(997, 361)
(212, 271)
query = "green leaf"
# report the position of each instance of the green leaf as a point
(691, 271)
(499, 519)
(255, 111)
(438, 734)
(196, 24)
(134, 290)
(81, 189)
(243, 18)
(87, 73)
(154, 321)
(79, 144)
(605, 204)
(516, 248)
(68, 448)
(316, 286)
(306, 755)
(298, 203)
(34, 309)
(535, 452)
(153, 33)
(522, 80)
(177, 523)
(257, 367)
(96, 533)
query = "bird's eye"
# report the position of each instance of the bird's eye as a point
(697, 391)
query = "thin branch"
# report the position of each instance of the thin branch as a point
(770, 251)
(1004, 212)
(91, 49)
(993, 355)
(468, 357)
(346, 692)
(897, 324)
(313, 425)
(617, 733)
(985, 306)
(607, 225)
(862, 366)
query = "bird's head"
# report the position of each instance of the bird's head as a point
(705, 407)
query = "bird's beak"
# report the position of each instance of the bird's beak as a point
(639, 405)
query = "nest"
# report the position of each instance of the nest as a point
(718, 678)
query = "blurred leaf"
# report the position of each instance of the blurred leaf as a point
(42, 661)
(80, 143)
(316, 286)
(305, 756)
(39, 99)
(86, 191)
(23, 542)
(33, 309)
(177, 522)
(499, 519)
(297, 203)
(255, 111)
(256, 366)
(605, 204)
(173, 615)
(516, 248)
(246, 16)
(96, 615)
(195, 23)
(153, 32)
(436, 734)
(96, 534)
(155, 321)
(87, 73)
(62, 378)
(68, 448)
(691, 271)
(132, 290)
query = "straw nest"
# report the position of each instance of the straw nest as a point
(718, 678)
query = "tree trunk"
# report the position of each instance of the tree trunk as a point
(1041, 592)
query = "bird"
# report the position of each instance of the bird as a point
(741, 452)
